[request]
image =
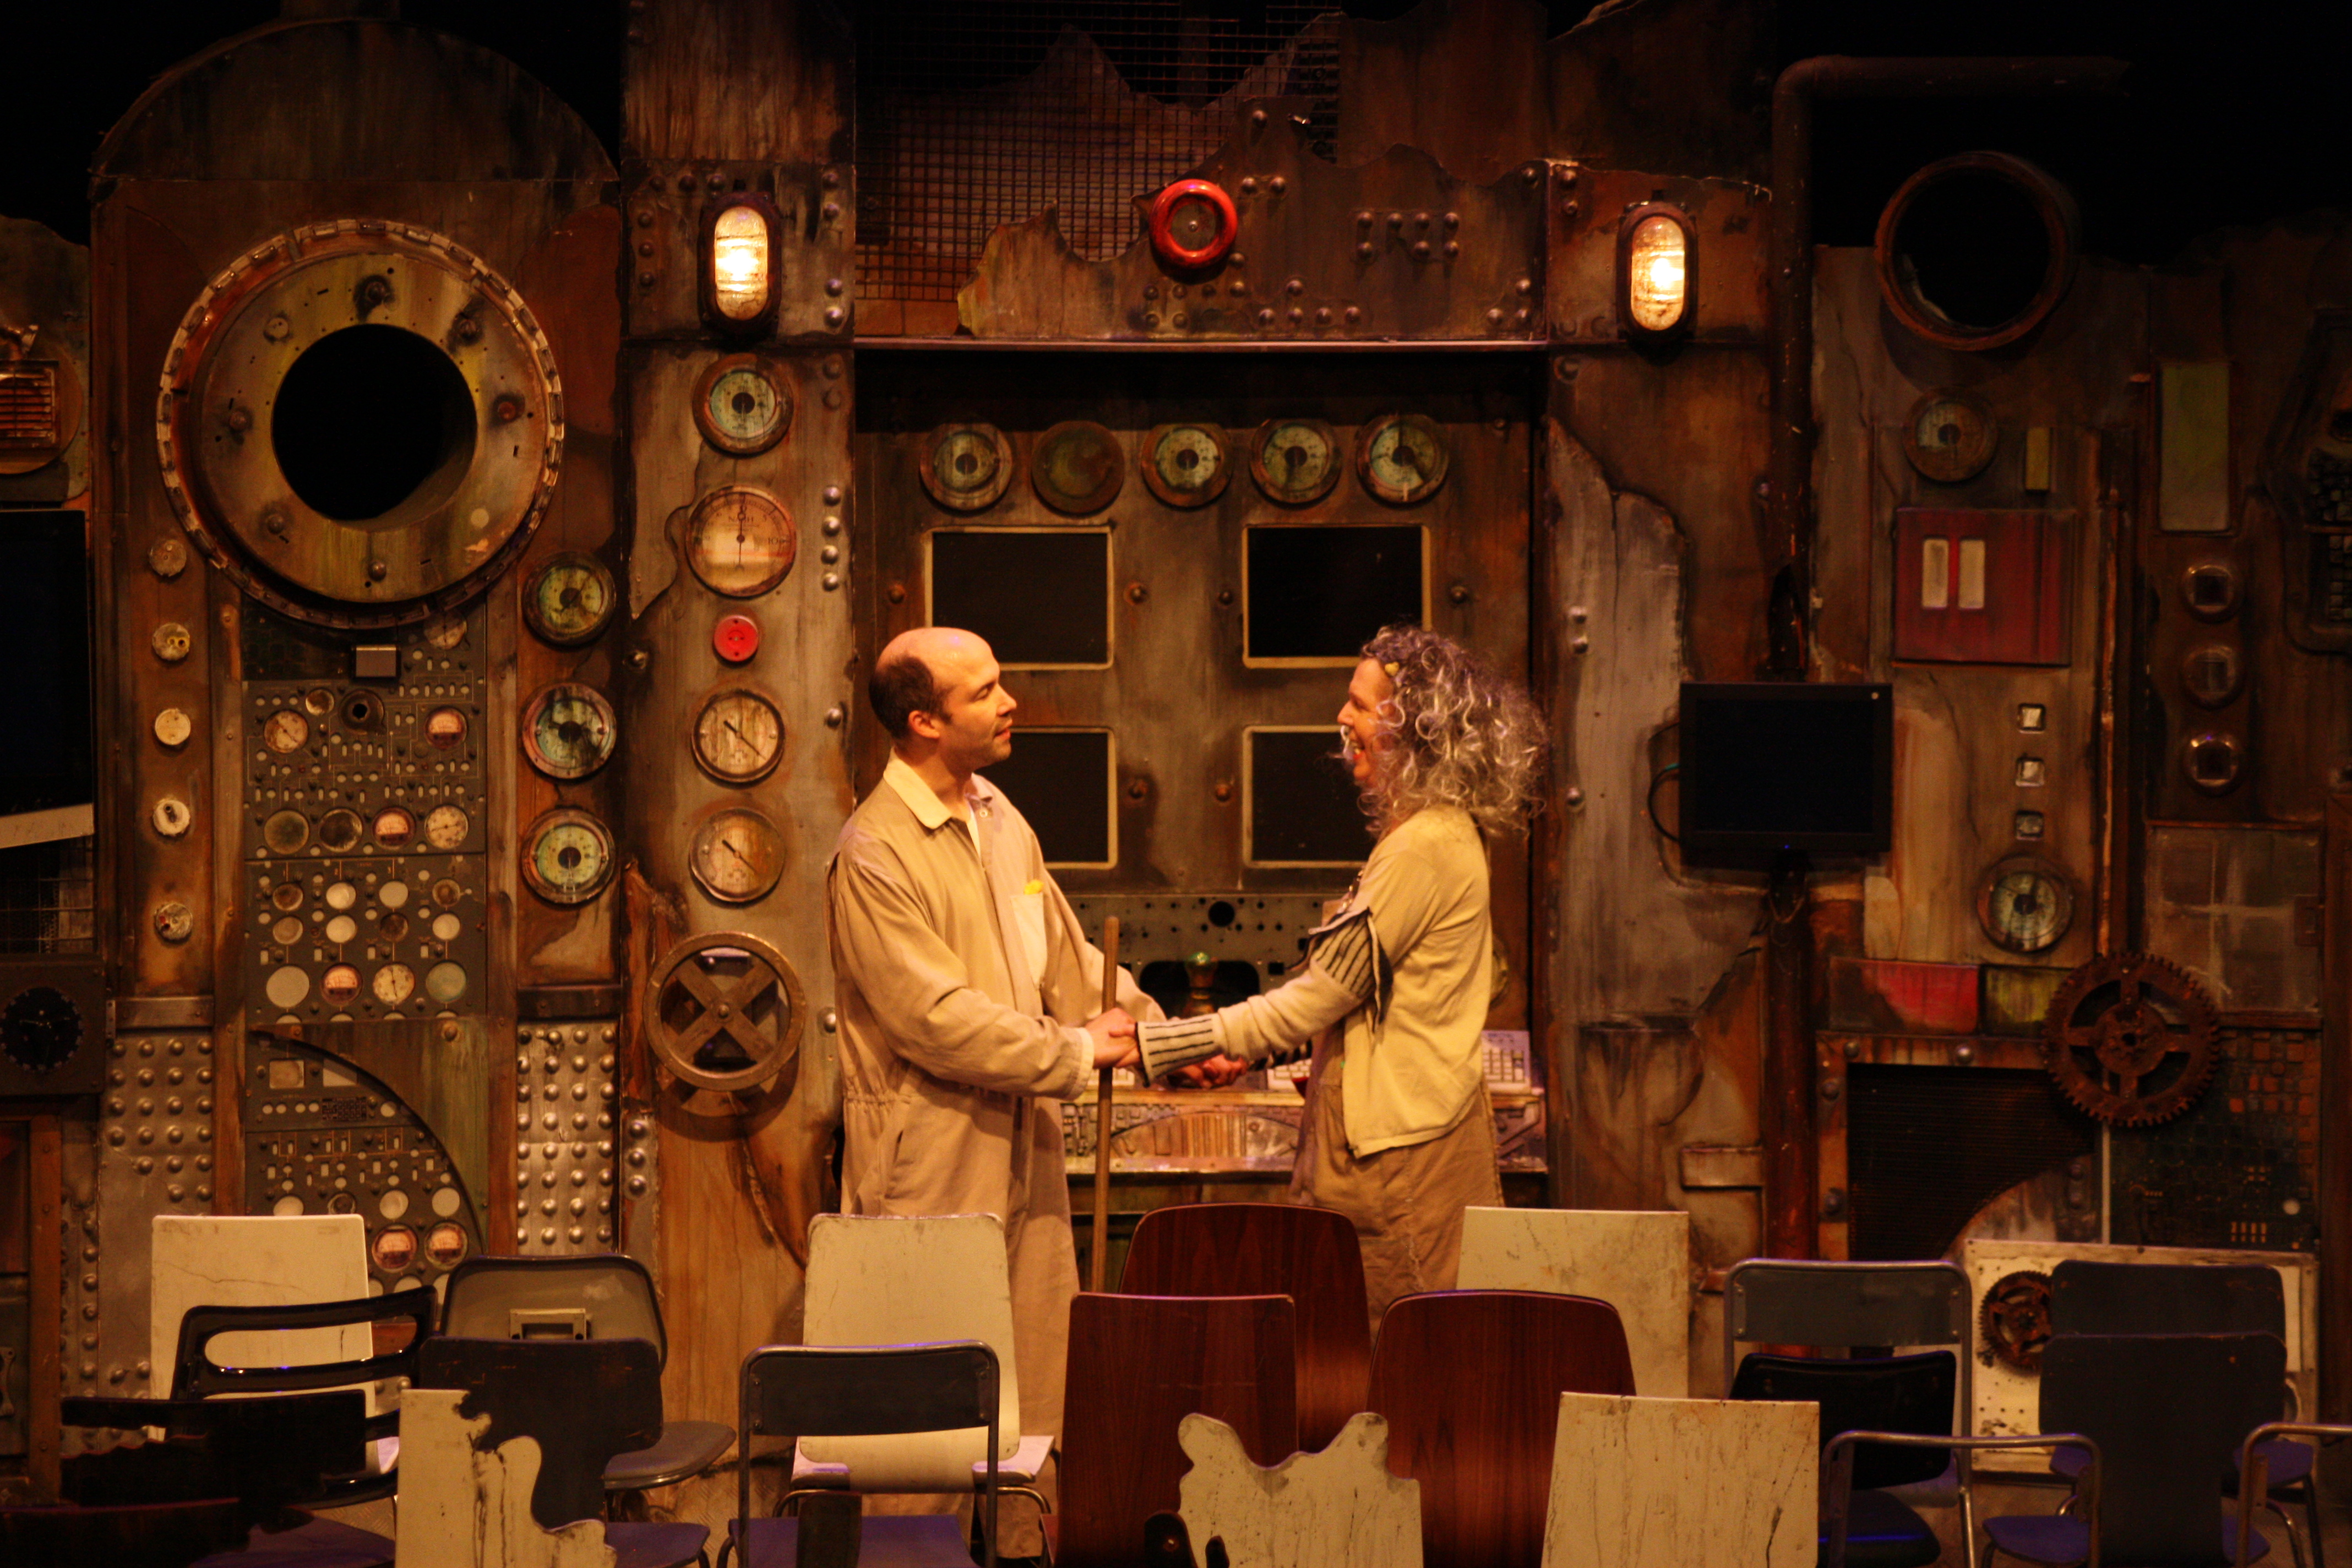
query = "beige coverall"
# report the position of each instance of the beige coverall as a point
(954, 959)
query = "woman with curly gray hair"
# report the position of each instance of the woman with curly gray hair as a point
(1397, 1137)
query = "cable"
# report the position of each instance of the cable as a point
(1650, 803)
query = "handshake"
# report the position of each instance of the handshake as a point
(1114, 1036)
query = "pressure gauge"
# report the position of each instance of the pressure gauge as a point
(741, 541)
(284, 833)
(444, 728)
(2025, 904)
(570, 599)
(392, 984)
(738, 737)
(1950, 438)
(1296, 460)
(445, 632)
(569, 731)
(339, 984)
(1402, 458)
(339, 831)
(970, 466)
(446, 828)
(1184, 465)
(393, 827)
(739, 406)
(737, 855)
(567, 857)
(286, 731)
(1078, 466)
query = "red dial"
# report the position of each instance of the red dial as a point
(1195, 211)
(736, 637)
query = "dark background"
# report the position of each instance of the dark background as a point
(2234, 113)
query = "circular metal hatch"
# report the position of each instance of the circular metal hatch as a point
(360, 422)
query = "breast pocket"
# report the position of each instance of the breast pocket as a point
(1029, 915)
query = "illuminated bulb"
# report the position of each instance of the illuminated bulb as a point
(1657, 278)
(739, 263)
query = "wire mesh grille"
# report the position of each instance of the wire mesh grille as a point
(48, 897)
(971, 116)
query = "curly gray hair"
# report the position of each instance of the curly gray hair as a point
(1464, 736)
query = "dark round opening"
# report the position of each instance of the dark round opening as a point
(965, 463)
(369, 417)
(1974, 249)
(1222, 913)
(569, 857)
(744, 404)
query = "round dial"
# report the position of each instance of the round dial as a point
(286, 731)
(740, 408)
(446, 828)
(392, 984)
(317, 702)
(567, 857)
(1184, 465)
(1078, 466)
(738, 737)
(969, 467)
(444, 728)
(741, 541)
(737, 855)
(286, 832)
(445, 632)
(1950, 438)
(339, 831)
(570, 599)
(1402, 458)
(2025, 904)
(570, 731)
(393, 827)
(1296, 460)
(339, 984)
(172, 727)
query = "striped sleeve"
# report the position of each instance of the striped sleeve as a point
(1176, 1043)
(1349, 951)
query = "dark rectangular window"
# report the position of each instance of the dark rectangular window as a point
(1039, 598)
(44, 648)
(1301, 801)
(1061, 780)
(1319, 594)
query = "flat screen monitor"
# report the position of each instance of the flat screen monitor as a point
(44, 648)
(1774, 767)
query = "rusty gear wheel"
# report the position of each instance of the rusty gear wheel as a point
(2013, 1323)
(2131, 1038)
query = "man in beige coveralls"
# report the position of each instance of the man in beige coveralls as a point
(957, 958)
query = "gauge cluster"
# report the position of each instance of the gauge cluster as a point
(365, 827)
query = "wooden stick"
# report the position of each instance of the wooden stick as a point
(1099, 1255)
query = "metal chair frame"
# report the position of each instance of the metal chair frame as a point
(1837, 1486)
(2253, 1469)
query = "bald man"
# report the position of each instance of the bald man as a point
(960, 965)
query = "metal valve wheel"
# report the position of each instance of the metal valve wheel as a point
(725, 1012)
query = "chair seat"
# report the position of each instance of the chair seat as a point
(1020, 1470)
(1883, 1532)
(929, 1540)
(683, 1449)
(313, 1543)
(2290, 1463)
(655, 1545)
(2064, 1539)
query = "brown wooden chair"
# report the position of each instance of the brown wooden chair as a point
(1470, 1381)
(1309, 1255)
(1139, 1365)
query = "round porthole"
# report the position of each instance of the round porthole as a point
(1975, 251)
(360, 423)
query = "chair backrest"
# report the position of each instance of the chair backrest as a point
(1638, 1483)
(1637, 1261)
(1139, 1365)
(268, 1452)
(1470, 1381)
(2088, 1297)
(1866, 1393)
(889, 1279)
(582, 1401)
(257, 1260)
(1846, 1307)
(197, 1374)
(2167, 1411)
(1309, 1255)
(604, 1296)
(869, 1391)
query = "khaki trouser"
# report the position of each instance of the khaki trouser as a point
(1406, 1203)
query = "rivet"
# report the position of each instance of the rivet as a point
(1323, 316)
(832, 285)
(1258, 116)
(1297, 315)
(1581, 645)
(1295, 285)
(1265, 318)
(239, 419)
(1452, 249)
(1568, 209)
(1249, 185)
(1277, 184)
(832, 497)
(1364, 250)
(1494, 318)
(834, 315)
(1454, 220)
(833, 716)
(1575, 796)
(1420, 250)
(1351, 315)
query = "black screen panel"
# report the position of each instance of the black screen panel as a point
(1323, 592)
(44, 648)
(1061, 781)
(1036, 598)
(1774, 765)
(1302, 804)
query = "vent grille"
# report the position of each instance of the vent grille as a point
(1926, 1147)
(969, 117)
(29, 420)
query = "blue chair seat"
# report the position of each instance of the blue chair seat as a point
(922, 1540)
(1883, 1532)
(313, 1543)
(2290, 1463)
(655, 1545)
(2063, 1539)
